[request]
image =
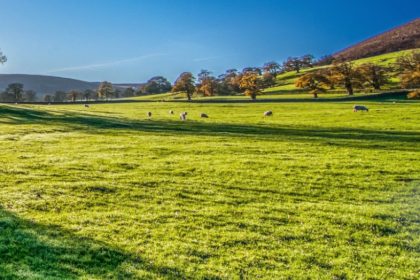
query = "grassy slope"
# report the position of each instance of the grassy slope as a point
(287, 80)
(285, 88)
(316, 191)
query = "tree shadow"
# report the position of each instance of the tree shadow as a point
(30, 250)
(90, 123)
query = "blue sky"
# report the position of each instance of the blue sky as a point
(131, 41)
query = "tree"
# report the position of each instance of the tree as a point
(128, 92)
(29, 96)
(48, 98)
(73, 95)
(117, 93)
(409, 68)
(252, 69)
(315, 82)
(157, 84)
(89, 94)
(251, 84)
(59, 96)
(273, 68)
(374, 75)
(325, 60)
(105, 90)
(207, 84)
(3, 58)
(268, 80)
(185, 83)
(346, 75)
(297, 63)
(16, 91)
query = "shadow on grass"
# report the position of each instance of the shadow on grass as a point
(94, 123)
(32, 251)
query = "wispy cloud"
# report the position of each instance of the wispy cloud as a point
(207, 58)
(105, 64)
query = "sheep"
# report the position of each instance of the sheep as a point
(86, 105)
(268, 114)
(202, 115)
(357, 108)
(149, 114)
(171, 112)
(183, 116)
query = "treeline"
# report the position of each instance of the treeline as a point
(347, 75)
(251, 81)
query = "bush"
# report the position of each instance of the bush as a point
(414, 95)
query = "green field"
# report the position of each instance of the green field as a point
(314, 192)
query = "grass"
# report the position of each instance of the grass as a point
(285, 84)
(315, 192)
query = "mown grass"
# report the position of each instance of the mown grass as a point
(315, 192)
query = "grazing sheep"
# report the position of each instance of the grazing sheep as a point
(149, 114)
(183, 116)
(86, 105)
(171, 112)
(268, 114)
(357, 108)
(202, 115)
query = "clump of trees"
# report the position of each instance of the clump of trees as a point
(15, 93)
(297, 63)
(409, 69)
(156, 84)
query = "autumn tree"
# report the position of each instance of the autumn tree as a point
(268, 79)
(251, 84)
(207, 84)
(105, 90)
(374, 75)
(315, 82)
(15, 90)
(297, 63)
(229, 82)
(409, 68)
(347, 76)
(185, 83)
(273, 68)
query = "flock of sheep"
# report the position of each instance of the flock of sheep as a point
(183, 115)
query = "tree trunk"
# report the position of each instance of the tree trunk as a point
(349, 88)
(315, 95)
(253, 96)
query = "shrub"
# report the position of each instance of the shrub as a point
(414, 94)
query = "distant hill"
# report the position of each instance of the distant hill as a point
(45, 84)
(50, 84)
(400, 38)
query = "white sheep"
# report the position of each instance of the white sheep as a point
(183, 116)
(171, 112)
(268, 114)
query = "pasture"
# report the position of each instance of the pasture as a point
(314, 192)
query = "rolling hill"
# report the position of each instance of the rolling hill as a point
(400, 38)
(49, 84)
